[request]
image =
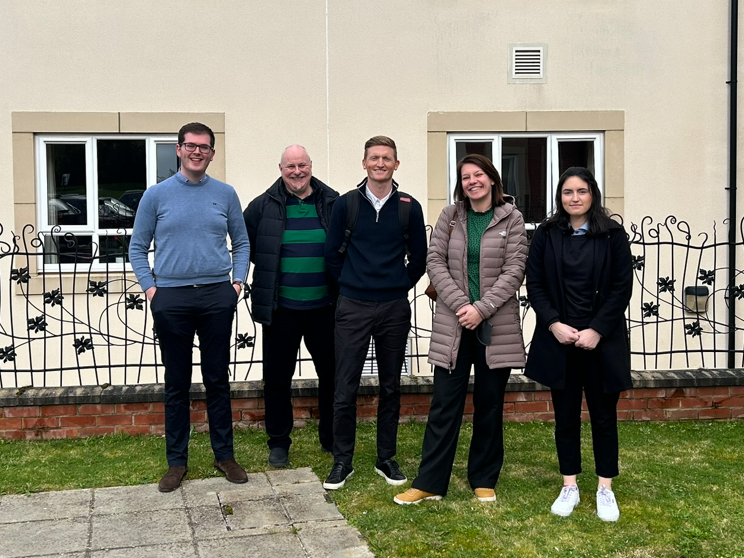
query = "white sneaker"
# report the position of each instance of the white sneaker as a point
(567, 500)
(607, 509)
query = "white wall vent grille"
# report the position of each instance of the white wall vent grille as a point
(527, 63)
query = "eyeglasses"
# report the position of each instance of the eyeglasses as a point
(204, 149)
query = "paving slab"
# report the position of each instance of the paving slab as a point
(310, 489)
(257, 513)
(36, 538)
(208, 492)
(303, 507)
(140, 528)
(291, 476)
(126, 499)
(208, 522)
(45, 505)
(286, 545)
(176, 550)
(280, 513)
(332, 539)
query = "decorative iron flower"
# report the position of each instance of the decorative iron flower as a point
(524, 302)
(666, 285)
(650, 309)
(737, 292)
(638, 262)
(37, 324)
(244, 340)
(54, 297)
(83, 344)
(134, 302)
(706, 277)
(97, 288)
(8, 353)
(20, 275)
(693, 329)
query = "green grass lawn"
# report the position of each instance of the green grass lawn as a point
(681, 489)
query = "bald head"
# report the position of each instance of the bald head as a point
(297, 170)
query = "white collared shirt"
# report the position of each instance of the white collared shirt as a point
(376, 202)
(582, 230)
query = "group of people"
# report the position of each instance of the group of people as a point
(336, 270)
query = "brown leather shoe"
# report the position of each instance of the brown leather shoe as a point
(233, 472)
(172, 479)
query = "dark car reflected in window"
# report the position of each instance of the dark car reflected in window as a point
(64, 213)
(112, 213)
(131, 198)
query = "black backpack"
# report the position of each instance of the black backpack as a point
(352, 213)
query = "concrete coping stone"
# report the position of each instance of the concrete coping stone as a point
(151, 393)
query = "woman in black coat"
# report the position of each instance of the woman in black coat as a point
(579, 282)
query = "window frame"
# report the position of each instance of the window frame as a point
(553, 139)
(92, 229)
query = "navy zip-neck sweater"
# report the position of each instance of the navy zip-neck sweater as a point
(374, 265)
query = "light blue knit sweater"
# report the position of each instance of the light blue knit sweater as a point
(189, 223)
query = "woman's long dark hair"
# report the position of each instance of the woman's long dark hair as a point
(597, 216)
(484, 164)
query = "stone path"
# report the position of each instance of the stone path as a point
(283, 514)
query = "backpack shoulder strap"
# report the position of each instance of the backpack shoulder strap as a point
(404, 216)
(352, 213)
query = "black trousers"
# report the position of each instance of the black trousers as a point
(358, 321)
(281, 343)
(486, 455)
(178, 314)
(583, 373)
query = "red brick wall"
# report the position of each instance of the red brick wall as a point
(73, 421)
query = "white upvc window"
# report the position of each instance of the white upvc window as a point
(88, 190)
(530, 164)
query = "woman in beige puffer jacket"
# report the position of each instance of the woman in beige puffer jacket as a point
(476, 262)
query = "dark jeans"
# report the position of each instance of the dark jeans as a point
(178, 314)
(486, 455)
(281, 342)
(583, 372)
(388, 323)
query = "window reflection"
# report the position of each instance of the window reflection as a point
(463, 148)
(122, 169)
(167, 160)
(65, 176)
(524, 174)
(576, 154)
(68, 249)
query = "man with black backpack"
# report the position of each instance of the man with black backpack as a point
(376, 247)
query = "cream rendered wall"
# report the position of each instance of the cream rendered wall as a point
(329, 74)
(387, 64)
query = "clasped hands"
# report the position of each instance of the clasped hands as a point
(469, 316)
(567, 335)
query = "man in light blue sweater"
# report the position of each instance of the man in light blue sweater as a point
(193, 288)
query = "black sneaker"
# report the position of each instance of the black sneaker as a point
(389, 469)
(338, 476)
(279, 458)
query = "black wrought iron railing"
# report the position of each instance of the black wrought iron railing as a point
(69, 316)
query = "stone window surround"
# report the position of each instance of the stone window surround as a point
(611, 123)
(25, 125)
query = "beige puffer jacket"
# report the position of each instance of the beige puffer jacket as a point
(503, 256)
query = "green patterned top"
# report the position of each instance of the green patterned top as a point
(477, 225)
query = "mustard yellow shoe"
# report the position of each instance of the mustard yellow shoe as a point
(485, 494)
(414, 496)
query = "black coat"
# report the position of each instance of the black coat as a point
(265, 219)
(613, 280)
